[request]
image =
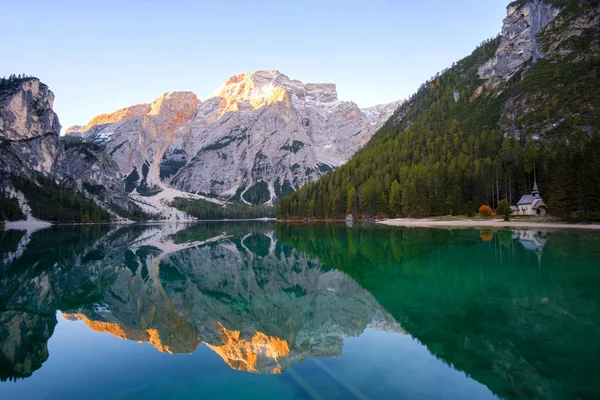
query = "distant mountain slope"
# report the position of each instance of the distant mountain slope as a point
(260, 136)
(473, 134)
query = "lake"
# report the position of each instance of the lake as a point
(262, 310)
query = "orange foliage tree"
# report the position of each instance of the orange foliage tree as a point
(485, 211)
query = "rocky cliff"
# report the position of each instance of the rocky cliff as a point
(260, 136)
(87, 168)
(519, 38)
(29, 128)
(540, 29)
(32, 148)
(137, 137)
(548, 49)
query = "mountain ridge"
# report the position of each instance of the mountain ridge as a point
(262, 135)
(260, 131)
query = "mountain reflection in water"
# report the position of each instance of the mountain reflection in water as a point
(511, 314)
(259, 304)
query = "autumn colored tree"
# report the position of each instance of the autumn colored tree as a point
(485, 211)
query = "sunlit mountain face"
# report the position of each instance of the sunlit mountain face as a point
(306, 311)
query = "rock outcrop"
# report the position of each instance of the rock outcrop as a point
(262, 135)
(86, 167)
(137, 137)
(540, 30)
(519, 38)
(31, 146)
(29, 128)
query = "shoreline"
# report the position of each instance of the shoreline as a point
(34, 225)
(430, 223)
(27, 225)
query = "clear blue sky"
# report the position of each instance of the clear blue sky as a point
(98, 56)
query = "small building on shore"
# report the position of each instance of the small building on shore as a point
(532, 204)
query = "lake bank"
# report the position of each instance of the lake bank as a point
(432, 223)
(26, 225)
(30, 225)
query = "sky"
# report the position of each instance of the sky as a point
(99, 56)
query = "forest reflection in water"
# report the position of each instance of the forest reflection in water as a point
(510, 309)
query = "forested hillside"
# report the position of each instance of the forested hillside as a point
(205, 210)
(57, 203)
(462, 141)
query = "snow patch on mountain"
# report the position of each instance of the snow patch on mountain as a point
(160, 203)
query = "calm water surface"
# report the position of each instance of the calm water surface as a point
(274, 311)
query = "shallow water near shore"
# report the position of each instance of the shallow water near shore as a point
(291, 311)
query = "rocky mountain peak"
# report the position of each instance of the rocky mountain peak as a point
(27, 110)
(261, 136)
(182, 103)
(117, 116)
(175, 106)
(253, 76)
(252, 91)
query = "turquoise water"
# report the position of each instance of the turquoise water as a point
(277, 311)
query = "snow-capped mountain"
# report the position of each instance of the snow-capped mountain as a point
(260, 136)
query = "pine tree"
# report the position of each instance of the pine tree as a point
(351, 201)
(504, 209)
(395, 200)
